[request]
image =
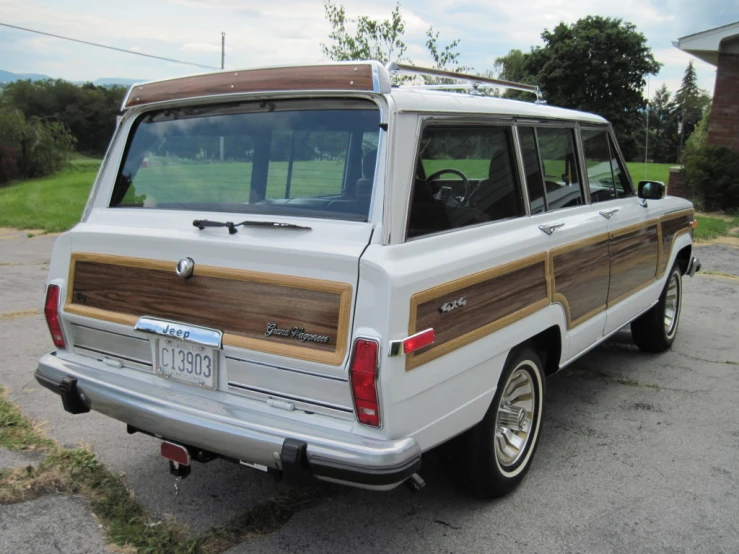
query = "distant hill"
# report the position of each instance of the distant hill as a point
(108, 81)
(10, 77)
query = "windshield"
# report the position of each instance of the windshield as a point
(304, 158)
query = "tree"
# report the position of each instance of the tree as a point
(88, 111)
(446, 57)
(374, 40)
(691, 103)
(381, 40)
(513, 67)
(31, 147)
(663, 126)
(597, 64)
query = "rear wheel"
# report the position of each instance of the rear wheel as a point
(497, 452)
(655, 330)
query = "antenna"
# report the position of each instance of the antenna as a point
(473, 82)
(646, 135)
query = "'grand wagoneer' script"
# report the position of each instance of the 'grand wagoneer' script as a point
(294, 333)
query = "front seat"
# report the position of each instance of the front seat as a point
(364, 185)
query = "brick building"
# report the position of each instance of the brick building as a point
(720, 48)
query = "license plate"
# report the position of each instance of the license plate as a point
(186, 362)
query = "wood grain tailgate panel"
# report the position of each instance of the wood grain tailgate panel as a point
(241, 304)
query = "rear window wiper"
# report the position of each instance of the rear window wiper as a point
(232, 227)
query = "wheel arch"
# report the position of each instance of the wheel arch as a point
(548, 344)
(683, 258)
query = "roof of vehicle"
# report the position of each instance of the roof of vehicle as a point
(414, 99)
(363, 76)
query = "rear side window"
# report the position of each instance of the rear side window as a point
(464, 176)
(314, 159)
(606, 176)
(556, 183)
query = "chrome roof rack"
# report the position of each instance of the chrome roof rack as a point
(469, 81)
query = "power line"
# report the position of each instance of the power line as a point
(108, 47)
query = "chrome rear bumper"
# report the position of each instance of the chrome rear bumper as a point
(232, 431)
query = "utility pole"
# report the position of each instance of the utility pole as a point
(223, 60)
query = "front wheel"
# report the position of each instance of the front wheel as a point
(498, 451)
(655, 330)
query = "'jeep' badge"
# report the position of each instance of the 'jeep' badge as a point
(185, 267)
(453, 304)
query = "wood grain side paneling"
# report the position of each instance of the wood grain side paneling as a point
(240, 303)
(580, 278)
(672, 226)
(494, 298)
(319, 77)
(635, 252)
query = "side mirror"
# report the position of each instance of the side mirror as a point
(652, 190)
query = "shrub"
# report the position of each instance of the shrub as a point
(9, 163)
(31, 147)
(697, 139)
(713, 174)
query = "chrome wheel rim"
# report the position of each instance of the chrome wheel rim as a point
(514, 421)
(672, 304)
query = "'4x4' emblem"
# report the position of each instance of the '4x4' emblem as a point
(453, 304)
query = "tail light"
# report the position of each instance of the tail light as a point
(363, 375)
(51, 311)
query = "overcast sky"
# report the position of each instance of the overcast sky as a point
(261, 33)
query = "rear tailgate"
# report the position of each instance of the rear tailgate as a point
(281, 297)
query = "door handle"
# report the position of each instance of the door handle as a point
(608, 213)
(549, 229)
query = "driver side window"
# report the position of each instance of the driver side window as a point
(464, 176)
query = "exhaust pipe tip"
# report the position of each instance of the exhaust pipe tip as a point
(415, 483)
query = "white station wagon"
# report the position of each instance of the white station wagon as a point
(315, 273)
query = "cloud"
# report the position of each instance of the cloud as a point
(291, 31)
(200, 47)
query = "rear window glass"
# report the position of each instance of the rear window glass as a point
(291, 157)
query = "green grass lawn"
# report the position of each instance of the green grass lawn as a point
(56, 203)
(229, 181)
(714, 227)
(654, 172)
(52, 203)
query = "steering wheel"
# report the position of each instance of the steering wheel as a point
(456, 172)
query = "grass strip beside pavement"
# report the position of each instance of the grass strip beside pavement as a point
(128, 525)
(54, 203)
(713, 227)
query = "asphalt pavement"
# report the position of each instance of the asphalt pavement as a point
(639, 453)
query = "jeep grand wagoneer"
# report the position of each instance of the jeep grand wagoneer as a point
(318, 274)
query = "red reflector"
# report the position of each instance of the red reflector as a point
(364, 382)
(418, 341)
(51, 311)
(176, 453)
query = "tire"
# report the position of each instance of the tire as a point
(655, 330)
(484, 468)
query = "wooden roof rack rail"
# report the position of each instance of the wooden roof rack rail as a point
(363, 76)
(468, 80)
